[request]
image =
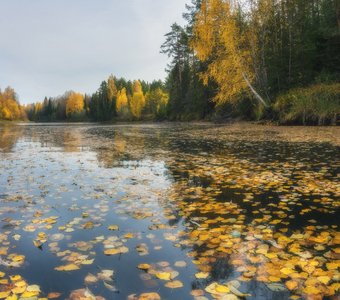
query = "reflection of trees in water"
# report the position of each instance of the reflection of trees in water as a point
(9, 136)
(72, 141)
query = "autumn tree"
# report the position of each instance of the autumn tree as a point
(137, 102)
(10, 109)
(122, 106)
(227, 47)
(74, 105)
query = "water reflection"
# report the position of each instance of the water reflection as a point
(247, 203)
(9, 136)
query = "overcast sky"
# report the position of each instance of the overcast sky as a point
(50, 46)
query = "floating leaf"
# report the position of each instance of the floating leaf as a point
(202, 275)
(69, 267)
(113, 227)
(174, 284)
(110, 287)
(149, 296)
(163, 275)
(144, 266)
(53, 295)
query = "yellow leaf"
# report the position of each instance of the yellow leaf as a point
(149, 296)
(311, 290)
(332, 266)
(324, 279)
(113, 227)
(144, 266)
(87, 262)
(111, 251)
(222, 288)
(287, 271)
(4, 294)
(28, 294)
(19, 289)
(33, 288)
(202, 275)
(18, 258)
(163, 275)
(291, 285)
(15, 277)
(129, 235)
(69, 267)
(20, 283)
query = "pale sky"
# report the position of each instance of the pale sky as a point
(50, 46)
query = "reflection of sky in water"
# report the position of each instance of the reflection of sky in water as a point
(155, 182)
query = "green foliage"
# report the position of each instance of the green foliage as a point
(315, 104)
(156, 103)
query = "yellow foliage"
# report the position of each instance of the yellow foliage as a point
(10, 108)
(74, 104)
(69, 267)
(137, 104)
(122, 101)
(216, 34)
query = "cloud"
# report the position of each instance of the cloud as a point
(50, 46)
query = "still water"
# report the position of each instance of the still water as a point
(169, 211)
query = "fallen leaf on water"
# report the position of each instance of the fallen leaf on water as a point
(87, 262)
(174, 284)
(202, 275)
(53, 295)
(69, 267)
(311, 290)
(90, 279)
(4, 294)
(163, 275)
(324, 279)
(112, 251)
(149, 296)
(113, 227)
(180, 264)
(222, 288)
(144, 266)
(291, 285)
(129, 235)
(33, 288)
(28, 294)
(110, 287)
(12, 297)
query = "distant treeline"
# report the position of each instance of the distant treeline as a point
(276, 60)
(115, 100)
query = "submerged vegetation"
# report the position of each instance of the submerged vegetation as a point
(272, 60)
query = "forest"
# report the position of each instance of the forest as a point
(261, 60)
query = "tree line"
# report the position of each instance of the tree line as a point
(115, 100)
(275, 60)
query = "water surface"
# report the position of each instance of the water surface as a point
(221, 211)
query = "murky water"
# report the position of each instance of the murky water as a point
(184, 211)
